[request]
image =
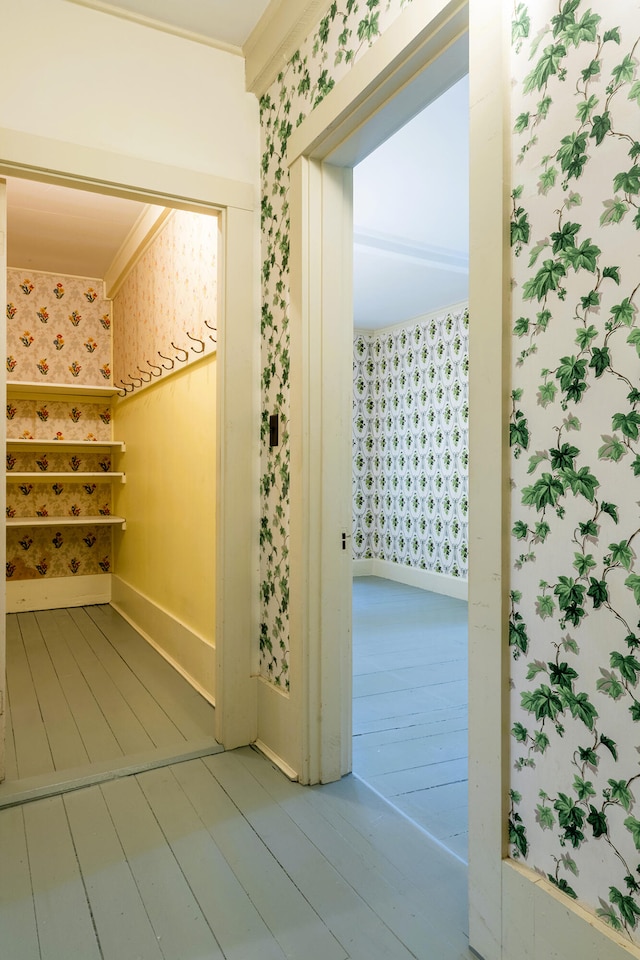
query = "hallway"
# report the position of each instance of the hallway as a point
(224, 857)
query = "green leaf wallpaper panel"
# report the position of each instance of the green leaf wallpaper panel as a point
(342, 35)
(575, 424)
(410, 444)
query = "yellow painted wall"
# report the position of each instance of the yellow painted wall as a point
(167, 552)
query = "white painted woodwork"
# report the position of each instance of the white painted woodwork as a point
(16, 444)
(66, 521)
(3, 492)
(32, 388)
(276, 36)
(320, 200)
(413, 576)
(55, 592)
(237, 481)
(488, 543)
(191, 655)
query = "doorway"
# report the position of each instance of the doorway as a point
(234, 720)
(410, 482)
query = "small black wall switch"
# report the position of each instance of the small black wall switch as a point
(273, 430)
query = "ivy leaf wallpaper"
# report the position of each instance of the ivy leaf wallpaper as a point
(342, 35)
(575, 587)
(410, 444)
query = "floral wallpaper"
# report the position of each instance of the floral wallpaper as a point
(58, 329)
(410, 444)
(347, 30)
(34, 552)
(575, 440)
(165, 312)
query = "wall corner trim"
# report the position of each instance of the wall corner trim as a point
(275, 38)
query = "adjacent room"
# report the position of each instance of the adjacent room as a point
(410, 468)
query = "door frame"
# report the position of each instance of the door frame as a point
(237, 387)
(415, 60)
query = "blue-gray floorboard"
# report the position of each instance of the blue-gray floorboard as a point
(410, 704)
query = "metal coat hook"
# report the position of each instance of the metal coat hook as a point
(146, 375)
(159, 369)
(180, 350)
(211, 327)
(170, 359)
(196, 340)
(131, 377)
(126, 385)
(213, 338)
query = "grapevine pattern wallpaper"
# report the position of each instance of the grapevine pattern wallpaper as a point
(575, 441)
(410, 444)
(347, 30)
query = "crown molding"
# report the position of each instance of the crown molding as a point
(277, 35)
(109, 8)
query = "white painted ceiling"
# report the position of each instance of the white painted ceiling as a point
(62, 230)
(411, 217)
(410, 221)
(215, 21)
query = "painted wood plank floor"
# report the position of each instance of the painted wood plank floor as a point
(87, 695)
(223, 857)
(410, 703)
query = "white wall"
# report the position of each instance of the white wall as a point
(83, 77)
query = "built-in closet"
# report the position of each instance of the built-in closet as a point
(110, 471)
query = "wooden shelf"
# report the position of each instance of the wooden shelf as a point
(18, 388)
(89, 521)
(64, 475)
(15, 442)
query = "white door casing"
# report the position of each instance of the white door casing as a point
(237, 388)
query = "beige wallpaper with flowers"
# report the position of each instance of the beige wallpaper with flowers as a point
(165, 312)
(58, 332)
(58, 329)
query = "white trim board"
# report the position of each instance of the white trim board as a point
(437, 314)
(54, 593)
(441, 583)
(191, 655)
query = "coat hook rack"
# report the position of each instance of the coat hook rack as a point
(180, 350)
(128, 387)
(146, 375)
(156, 367)
(196, 340)
(139, 379)
(170, 359)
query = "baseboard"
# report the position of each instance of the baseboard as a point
(190, 654)
(55, 592)
(442, 583)
(270, 754)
